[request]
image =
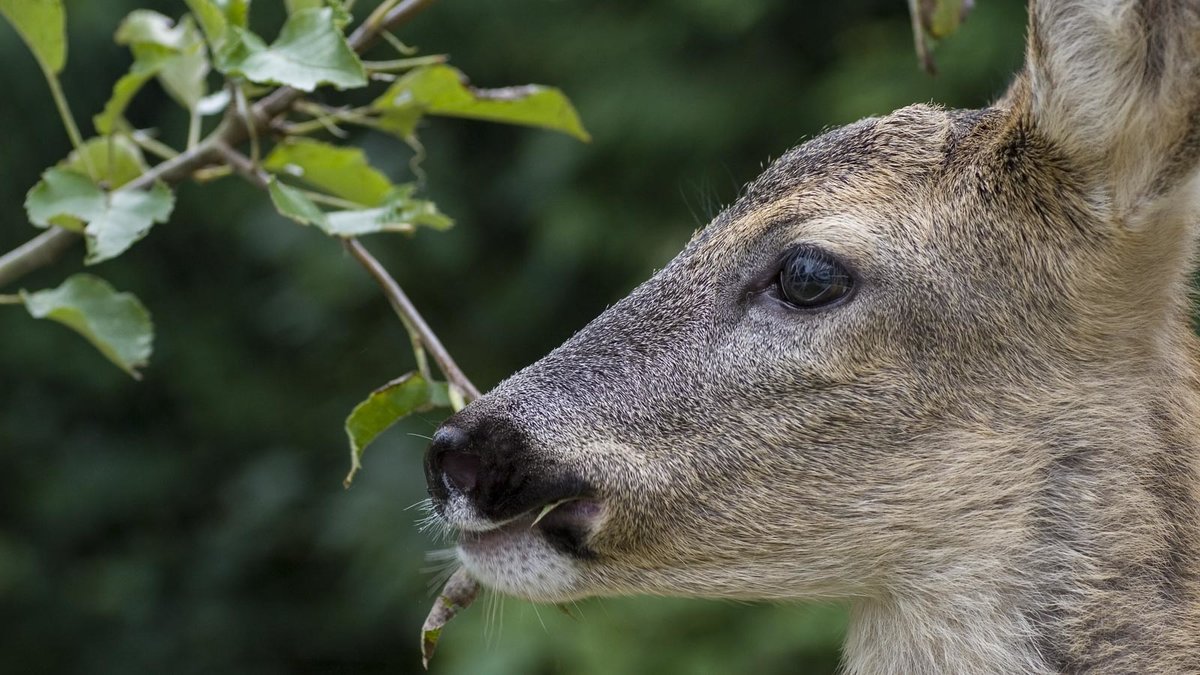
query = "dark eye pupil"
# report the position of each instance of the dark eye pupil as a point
(810, 278)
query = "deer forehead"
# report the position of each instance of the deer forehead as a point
(860, 191)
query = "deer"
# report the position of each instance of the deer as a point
(938, 365)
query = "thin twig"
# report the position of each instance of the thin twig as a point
(366, 34)
(46, 247)
(152, 145)
(244, 166)
(411, 316)
(422, 336)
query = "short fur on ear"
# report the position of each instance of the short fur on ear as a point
(1115, 86)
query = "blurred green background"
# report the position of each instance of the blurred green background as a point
(195, 522)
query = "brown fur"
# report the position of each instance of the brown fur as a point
(992, 450)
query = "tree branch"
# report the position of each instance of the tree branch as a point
(412, 317)
(231, 133)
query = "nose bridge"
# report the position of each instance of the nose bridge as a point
(653, 341)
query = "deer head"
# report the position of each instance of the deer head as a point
(938, 364)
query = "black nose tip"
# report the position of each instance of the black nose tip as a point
(448, 458)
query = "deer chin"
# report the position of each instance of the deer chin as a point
(537, 556)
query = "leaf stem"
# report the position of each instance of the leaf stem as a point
(13, 299)
(152, 145)
(411, 317)
(404, 64)
(330, 200)
(68, 120)
(193, 136)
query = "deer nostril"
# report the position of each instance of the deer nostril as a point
(449, 463)
(461, 469)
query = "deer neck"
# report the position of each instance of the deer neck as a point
(976, 632)
(1099, 570)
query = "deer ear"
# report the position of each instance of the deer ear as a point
(1114, 85)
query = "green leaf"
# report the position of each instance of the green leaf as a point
(341, 16)
(237, 12)
(215, 17)
(294, 6)
(293, 203)
(128, 218)
(115, 323)
(339, 171)
(62, 193)
(174, 53)
(115, 159)
(123, 92)
(401, 213)
(114, 221)
(443, 90)
(310, 51)
(212, 20)
(397, 399)
(143, 26)
(42, 25)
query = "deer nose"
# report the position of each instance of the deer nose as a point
(450, 460)
(485, 464)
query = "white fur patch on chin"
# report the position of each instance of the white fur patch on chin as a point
(516, 560)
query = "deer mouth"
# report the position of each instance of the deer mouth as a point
(565, 525)
(539, 555)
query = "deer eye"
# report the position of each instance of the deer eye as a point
(811, 278)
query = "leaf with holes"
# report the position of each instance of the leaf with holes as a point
(442, 90)
(389, 404)
(309, 51)
(458, 594)
(117, 324)
(339, 171)
(42, 25)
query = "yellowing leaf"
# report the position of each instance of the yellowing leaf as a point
(340, 171)
(42, 25)
(310, 51)
(458, 594)
(394, 401)
(117, 324)
(443, 90)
